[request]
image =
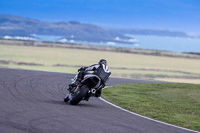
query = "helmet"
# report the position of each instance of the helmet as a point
(103, 61)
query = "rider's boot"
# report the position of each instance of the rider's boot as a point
(98, 93)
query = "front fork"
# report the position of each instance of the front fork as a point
(72, 92)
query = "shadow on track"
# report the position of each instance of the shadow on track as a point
(81, 104)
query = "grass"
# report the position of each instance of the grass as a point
(173, 103)
(176, 80)
(159, 72)
(42, 68)
(50, 56)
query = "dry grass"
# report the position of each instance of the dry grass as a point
(50, 56)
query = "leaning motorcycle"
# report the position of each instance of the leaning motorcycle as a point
(84, 90)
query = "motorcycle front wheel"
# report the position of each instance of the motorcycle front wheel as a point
(80, 94)
(66, 99)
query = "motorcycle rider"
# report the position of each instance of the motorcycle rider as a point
(101, 70)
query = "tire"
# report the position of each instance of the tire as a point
(66, 99)
(80, 95)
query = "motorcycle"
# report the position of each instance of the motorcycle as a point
(84, 90)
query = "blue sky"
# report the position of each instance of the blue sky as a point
(174, 15)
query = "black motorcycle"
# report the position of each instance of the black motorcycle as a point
(84, 90)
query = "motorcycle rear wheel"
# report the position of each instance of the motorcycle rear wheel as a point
(79, 95)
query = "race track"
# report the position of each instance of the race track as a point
(32, 102)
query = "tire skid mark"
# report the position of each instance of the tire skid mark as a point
(52, 89)
(17, 94)
(62, 88)
(11, 88)
(6, 97)
(35, 94)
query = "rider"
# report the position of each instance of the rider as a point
(101, 70)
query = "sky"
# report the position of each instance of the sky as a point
(173, 15)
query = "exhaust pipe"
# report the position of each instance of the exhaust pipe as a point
(93, 91)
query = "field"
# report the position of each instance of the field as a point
(67, 58)
(174, 103)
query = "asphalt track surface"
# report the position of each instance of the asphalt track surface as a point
(32, 102)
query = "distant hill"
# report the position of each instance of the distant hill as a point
(151, 32)
(20, 26)
(73, 30)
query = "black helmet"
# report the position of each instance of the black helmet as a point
(103, 61)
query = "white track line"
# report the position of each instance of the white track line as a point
(145, 116)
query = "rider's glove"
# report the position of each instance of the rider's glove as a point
(82, 69)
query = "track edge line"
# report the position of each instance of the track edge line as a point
(116, 106)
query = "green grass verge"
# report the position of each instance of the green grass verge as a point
(174, 103)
